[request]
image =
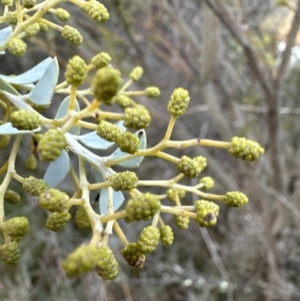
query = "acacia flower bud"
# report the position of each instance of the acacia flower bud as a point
(126, 180)
(11, 197)
(82, 218)
(122, 101)
(208, 183)
(171, 194)
(16, 46)
(152, 92)
(137, 117)
(179, 102)
(182, 221)
(10, 253)
(25, 120)
(32, 30)
(76, 71)
(4, 141)
(191, 167)
(109, 131)
(235, 199)
(136, 73)
(72, 35)
(8, 2)
(128, 142)
(95, 11)
(101, 60)
(53, 200)
(207, 213)
(166, 235)
(29, 3)
(31, 163)
(107, 266)
(34, 186)
(12, 17)
(16, 227)
(62, 14)
(133, 255)
(58, 220)
(148, 240)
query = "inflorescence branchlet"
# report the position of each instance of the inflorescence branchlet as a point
(53, 140)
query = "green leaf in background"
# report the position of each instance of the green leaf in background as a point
(42, 93)
(7, 128)
(5, 86)
(4, 34)
(63, 110)
(57, 170)
(30, 76)
(135, 162)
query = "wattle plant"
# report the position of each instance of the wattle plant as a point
(60, 139)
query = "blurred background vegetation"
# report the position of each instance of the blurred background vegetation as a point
(237, 60)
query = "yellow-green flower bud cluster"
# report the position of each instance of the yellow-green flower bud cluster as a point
(31, 162)
(171, 194)
(208, 183)
(108, 131)
(16, 46)
(106, 84)
(166, 235)
(152, 92)
(191, 167)
(29, 3)
(245, 149)
(76, 71)
(57, 220)
(32, 30)
(82, 260)
(4, 141)
(95, 11)
(101, 60)
(72, 35)
(133, 255)
(8, 2)
(123, 101)
(136, 73)
(142, 207)
(107, 266)
(53, 200)
(62, 14)
(182, 222)
(51, 145)
(10, 253)
(179, 102)
(128, 143)
(235, 199)
(11, 197)
(207, 213)
(16, 227)
(12, 17)
(25, 120)
(137, 117)
(34, 186)
(82, 218)
(148, 240)
(126, 180)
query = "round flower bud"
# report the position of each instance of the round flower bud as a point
(106, 84)
(123, 101)
(4, 141)
(62, 14)
(133, 255)
(136, 73)
(179, 102)
(95, 11)
(148, 240)
(53, 200)
(245, 149)
(126, 180)
(172, 196)
(207, 213)
(101, 60)
(72, 35)
(137, 118)
(235, 199)
(208, 183)
(107, 266)
(8, 2)
(43, 27)
(108, 131)
(11, 197)
(76, 71)
(16, 227)
(25, 120)
(16, 46)
(12, 17)
(182, 221)
(82, 218)
(82, 260)
(31, 163)
(29, 3)
(191, 167)
(10, 253)
(152, 92)
(128, 143)
(57, 220)
(142, 207)
(166, 235)
(32, 30)
(51, 145)
(34, 186)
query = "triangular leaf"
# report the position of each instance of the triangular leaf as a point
(117, 196)
(4, 34)
(42, 93)
(92, 140)
(8, 129)
(7, 87)
(135, 162)
(63, 110)
(30, 76)
(57, 170)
